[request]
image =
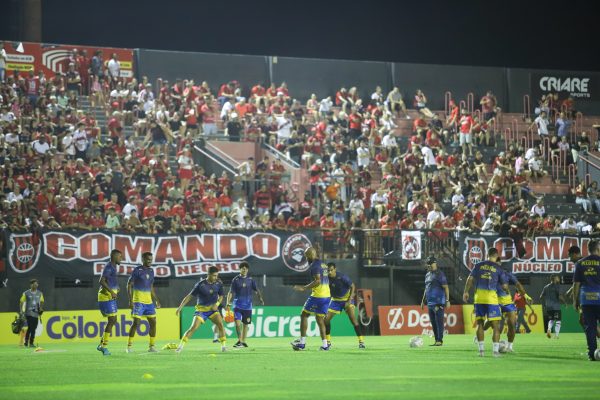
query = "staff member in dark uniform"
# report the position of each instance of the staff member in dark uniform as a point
(32, 304)
(437, 296)
(586, 294)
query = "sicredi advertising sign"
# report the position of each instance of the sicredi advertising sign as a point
(270, 321)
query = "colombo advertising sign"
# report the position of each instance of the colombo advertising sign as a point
(88, 325)
(270, 322)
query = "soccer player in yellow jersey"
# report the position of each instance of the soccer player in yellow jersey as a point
(484, 277)
(142, 297)
(317, 303)
(107, 297)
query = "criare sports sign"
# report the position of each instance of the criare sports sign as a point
(80, 253)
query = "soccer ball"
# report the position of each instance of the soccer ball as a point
(503, 346)
(597, 355)
(416, 341)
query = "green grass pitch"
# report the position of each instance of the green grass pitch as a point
(540, 368)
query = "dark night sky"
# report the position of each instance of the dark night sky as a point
(561, 35)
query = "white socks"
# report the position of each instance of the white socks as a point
(481, 346)
(324, 342)
(510, 345)
(557, 328)
(550, 323)
(302, 339)
(496, 347)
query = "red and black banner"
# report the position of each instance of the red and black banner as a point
(77, 254)
(546, 254)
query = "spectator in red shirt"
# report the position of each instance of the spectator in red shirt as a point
(211, 204)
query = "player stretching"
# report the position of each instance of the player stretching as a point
(317, 303)
(342, 298)
(209, 294)
(484, 277)
(437, 296)
(586, 294)
(142, 297)
(107, 297)
(242, 287)
(551, 299)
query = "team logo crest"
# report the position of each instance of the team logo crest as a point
(243, 285)
(293, 252)
(411, 248)
(24, 252)
(475, 250)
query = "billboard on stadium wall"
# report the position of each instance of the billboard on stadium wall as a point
(73, 254)
(54, 58)
(268, 321)
(544, 254)
(80, 326)
(412, 320)
(534, 319)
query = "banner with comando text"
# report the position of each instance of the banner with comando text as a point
(76, 254)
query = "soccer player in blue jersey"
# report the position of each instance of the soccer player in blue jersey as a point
(209, 295)
(241, 291)
(507, 307)
(484, 276)
(107, 297)
(438, 298)
(317, 303)
(342, 299)
(142, 300)
(586, 293)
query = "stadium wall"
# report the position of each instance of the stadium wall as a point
(435, 80)
(305, 76)
(214, 68)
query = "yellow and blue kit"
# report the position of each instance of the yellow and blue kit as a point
(207, 294)
(486, 275)
(142, 279)
(339, 288)
(318, 302)
(504, 298)
(106, 304)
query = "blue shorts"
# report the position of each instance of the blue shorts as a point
(337, 306)
(491, 311)
(506, 308)
(243, 315)
(205, 315)
(317, 305)
(143, 310)
(108, 308)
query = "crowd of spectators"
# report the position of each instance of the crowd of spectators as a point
(61, 170)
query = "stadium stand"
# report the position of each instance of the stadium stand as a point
(80, 152)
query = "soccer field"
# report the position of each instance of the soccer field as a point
(270, 369)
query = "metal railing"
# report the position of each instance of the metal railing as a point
(447, 100)
(225, 167)
(282, 157)
(526, 108)
(384, 246)
(470, 102)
